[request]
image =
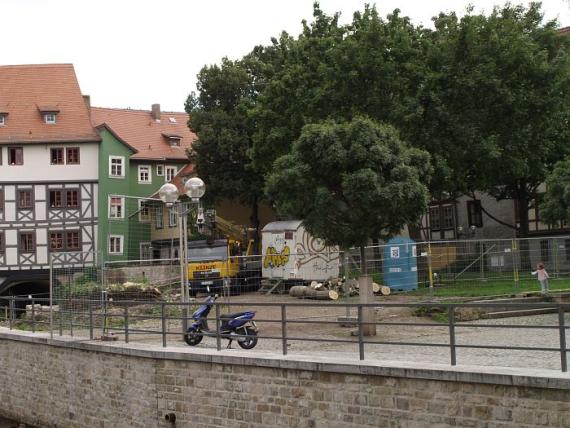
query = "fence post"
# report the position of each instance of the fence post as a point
(430, 272)
(515, 263)
(360, 334)
(11, 311)
(284, 328)
(90, 320)
(218, 337)
(162, 317)
(126, 317)
(562, 329)
(33, 317)
(451, 317)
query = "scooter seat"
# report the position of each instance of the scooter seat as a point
(231, 316)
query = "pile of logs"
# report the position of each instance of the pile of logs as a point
(332, 289)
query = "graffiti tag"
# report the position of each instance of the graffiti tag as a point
(274, 259)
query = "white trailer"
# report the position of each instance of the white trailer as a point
(290, 252)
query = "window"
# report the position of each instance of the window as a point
(174, 142)
(25, 199)
(116, 244)
(545, 250)
(172, 216)
(170, 172)
(56, 156)
(55, 199)
(49, 118)
(116, 207)
(159, 218)
(27, 242)
(434, 218)
(72, 154)
(72, 239)
(1, 200)
(144, 211)
(72, 198)
(144, 174)
(56, 241)
(2, 244)
(441, 217)
(116, 166)
(15, 156)
(475, 213)
(145, 251)
(160, 170)
(2, 119)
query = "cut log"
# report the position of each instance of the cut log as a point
(298, 291)
(385, 290)
(313, 285)
(375, 288)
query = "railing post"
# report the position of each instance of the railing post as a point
(163, 318)
(218, 336)
(284, 328)
(562, 329)
(90, 320)
(11, 311)
(33, 317)
(360, 335)
(451, 317)
(126, 317)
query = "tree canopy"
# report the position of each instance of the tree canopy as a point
(555, 206)
(351, 181)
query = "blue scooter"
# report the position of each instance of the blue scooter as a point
(237, 326)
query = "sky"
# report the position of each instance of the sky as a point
(133, 53)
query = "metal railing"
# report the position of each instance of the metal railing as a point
(22, 312)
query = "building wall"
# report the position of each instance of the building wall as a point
(78, 384)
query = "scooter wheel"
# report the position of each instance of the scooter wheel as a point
(193, 337)
(250, 340)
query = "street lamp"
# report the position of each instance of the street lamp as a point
(194, 188)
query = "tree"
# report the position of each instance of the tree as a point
(350, 182)
(218, 116)
(555, 207)
(494, 104)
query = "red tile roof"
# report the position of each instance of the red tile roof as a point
(27, 89)
(148, 136)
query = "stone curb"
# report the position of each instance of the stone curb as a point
(510, 376)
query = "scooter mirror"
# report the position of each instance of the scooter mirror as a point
(208, 288)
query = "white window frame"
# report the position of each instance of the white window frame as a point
(2, 119)
(50, 118)
(171, 168)
(149, 171)
(159, 224)
(172, 215)
(145, 244)
(122, 216)
(122, 159)
(121, 241)
(160, 170)
(142, 218)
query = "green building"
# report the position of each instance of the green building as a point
(140, 151)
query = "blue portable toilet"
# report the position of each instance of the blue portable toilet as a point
(400, 264)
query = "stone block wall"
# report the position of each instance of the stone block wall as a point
(62, 383)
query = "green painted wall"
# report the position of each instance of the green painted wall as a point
(133, 231)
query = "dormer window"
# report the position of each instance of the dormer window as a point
(173, 139)
(49, 114)
(3, 119)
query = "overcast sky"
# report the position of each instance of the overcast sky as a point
(132, 53)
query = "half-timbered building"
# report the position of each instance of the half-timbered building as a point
(48, 173)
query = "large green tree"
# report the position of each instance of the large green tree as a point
(351, 182)
(494, 103)
(218, 116)
(555, 206)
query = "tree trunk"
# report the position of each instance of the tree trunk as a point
(366, 296)
(254, 220)
(522, 205)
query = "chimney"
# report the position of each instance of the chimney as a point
(87, 101)
(155, 112)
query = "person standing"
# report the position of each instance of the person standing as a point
(542, 277)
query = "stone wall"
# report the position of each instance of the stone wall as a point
(76, 384)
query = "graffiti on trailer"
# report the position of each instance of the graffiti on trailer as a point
(274, 259)
(312, 249)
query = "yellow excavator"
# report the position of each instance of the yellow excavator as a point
(223, 262)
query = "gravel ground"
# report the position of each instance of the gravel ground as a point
(320, 323)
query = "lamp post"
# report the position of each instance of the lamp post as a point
(194, 188)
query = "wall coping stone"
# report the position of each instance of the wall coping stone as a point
(511, 376)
